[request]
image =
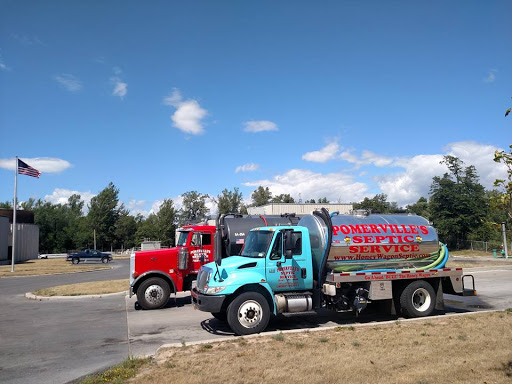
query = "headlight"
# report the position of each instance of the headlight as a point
(213, 290)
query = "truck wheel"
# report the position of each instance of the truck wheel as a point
(153, 293)
(104, 260)
(417, 299)
(221, 316)
(248, 313)
(75, 260)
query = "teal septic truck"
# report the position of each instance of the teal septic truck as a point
(341, 262)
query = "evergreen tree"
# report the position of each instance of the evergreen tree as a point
(261, 196)
(457, 202)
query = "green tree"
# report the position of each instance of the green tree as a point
(125, 230)
(103, 215)
(261, 196)
(6, 205)
(377, 204)
(229, 201)
(323, 200)
(419, 208)
(283, 198)
(166, 223)
(147, 229)
(504, 200)
(457, 202)
(194, 207)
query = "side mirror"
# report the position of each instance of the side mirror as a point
(288, 243)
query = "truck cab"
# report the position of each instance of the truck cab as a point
(155, 274)
(274, 271)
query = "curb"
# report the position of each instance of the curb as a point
(31, 296)
(273, 333)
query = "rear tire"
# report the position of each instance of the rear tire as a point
(75, 260)
(248, 313)
(418, 299)
(153, 293)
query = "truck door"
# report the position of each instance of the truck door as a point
(201, 249)
(288, 274)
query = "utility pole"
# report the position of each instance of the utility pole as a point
(505, 248)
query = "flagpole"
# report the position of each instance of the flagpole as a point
(14, 215)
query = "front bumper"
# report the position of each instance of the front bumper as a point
(207, 303)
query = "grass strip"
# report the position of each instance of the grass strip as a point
(120, 373)
(464, 349)
(47, 267)
(90, 288)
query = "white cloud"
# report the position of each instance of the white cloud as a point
(326, 153)
(310, 185)
(260, 126)
(43, 164)
(120, 88)
(367, 158)
(27, 40)
(69, 82)
(61, 196)
(3, 66)
(188, 115)
(137, 207)
(491, 77)
(377, 160)
(250, 167)
(174, 99)
(407, 187)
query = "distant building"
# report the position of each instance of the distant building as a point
(299, 209)
(27, 235)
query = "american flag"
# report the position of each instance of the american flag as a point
(25, 169)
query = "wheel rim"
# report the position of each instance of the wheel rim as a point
(421, 299)
(154, 294)
(250, 314)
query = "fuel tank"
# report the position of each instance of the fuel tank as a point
(374, 242)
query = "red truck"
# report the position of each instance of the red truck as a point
(155, 274)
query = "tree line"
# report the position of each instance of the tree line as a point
(458, 206)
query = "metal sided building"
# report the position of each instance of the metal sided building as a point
(27, 235)
(299, 209)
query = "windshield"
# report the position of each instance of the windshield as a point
(182, 240)
(257, 243)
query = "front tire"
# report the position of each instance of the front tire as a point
(104, 260)
(418, 299)
(248, 313)
(153, 293)
(221, 316)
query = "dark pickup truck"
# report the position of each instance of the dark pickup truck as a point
(89, 255)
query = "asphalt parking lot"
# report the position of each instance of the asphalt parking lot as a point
(59, 341)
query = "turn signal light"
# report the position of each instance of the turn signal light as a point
(135, 275)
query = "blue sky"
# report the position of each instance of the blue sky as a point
(343, 99)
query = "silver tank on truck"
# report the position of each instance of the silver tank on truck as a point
(374, 242)
(235, 228)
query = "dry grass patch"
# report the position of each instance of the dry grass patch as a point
(466, 349)
(91, 288)
(47, 267)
